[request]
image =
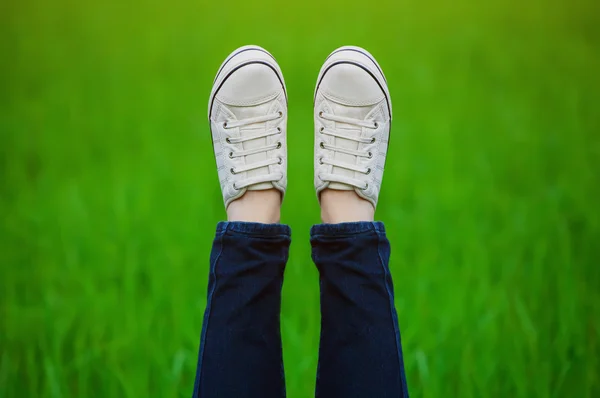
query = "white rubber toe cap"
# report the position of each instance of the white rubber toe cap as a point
(249, 85)
(351, 85)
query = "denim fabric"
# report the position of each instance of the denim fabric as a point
(240, 350)
(360, 355)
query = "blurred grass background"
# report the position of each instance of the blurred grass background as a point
(109, 197)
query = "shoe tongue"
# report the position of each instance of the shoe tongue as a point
(351, 130)
(246, 112)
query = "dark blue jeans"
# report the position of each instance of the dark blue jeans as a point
(360, 353)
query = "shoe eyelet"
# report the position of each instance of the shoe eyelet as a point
(321, 130)
(232, 170)
(224, 125)
(322, 145)
(366, 186)
(230, 155)
(321, 114)
(279, 145)
(369, 170)
(280, 114)
(279, 130)
(234, 187)
(280, 160)
(373, 140)
(321, 160)
(376, 125)
(227, 140)
(370, 154)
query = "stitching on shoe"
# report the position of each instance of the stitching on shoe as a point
(350, 102)
(258, 101)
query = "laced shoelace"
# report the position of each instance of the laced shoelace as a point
(361, 140)
(236, 153)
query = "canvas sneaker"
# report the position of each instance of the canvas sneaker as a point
(247, 111)
(352, 116)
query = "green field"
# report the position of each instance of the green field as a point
(109, 195)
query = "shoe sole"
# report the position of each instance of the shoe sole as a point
(370, 66)
(229, 66)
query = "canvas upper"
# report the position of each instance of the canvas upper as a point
(352, 118)
(248, 119)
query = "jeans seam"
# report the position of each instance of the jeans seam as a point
(208, 310)
(318, 376)
(285, 255)
(391, 303)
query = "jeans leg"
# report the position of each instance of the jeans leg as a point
(360, 355)
(240, 347)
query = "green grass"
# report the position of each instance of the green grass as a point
(109, 197)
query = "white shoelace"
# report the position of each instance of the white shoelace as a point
(235, 153)
(336, 163)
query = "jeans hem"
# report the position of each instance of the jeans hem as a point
(254, 228)
(348, 228)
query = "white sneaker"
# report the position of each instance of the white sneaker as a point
(353, 113)
(247, 111)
